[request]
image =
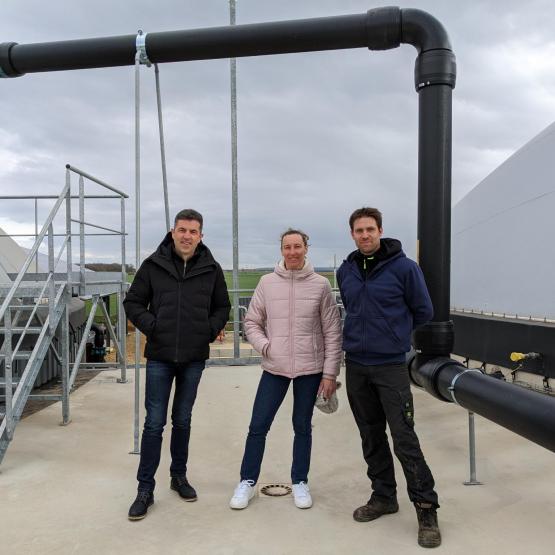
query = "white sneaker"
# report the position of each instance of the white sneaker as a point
(301, 495)
(243, 493)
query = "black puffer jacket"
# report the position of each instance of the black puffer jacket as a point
(180, 310)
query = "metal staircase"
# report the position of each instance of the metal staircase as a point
(34, 309)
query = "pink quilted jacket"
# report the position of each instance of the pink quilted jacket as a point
(293, 321)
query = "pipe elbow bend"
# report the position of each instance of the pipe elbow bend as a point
(423, 31)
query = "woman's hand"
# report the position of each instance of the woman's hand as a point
(327, 387)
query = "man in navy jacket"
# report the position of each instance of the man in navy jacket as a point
(385, 298)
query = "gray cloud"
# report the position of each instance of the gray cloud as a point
(319, 133)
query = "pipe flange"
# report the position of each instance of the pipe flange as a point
(7, 69)
(435, 67)
(451, 388)
(140, 43)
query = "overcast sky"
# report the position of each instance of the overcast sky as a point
(319, 134)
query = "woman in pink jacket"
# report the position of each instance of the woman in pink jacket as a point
(293, 321)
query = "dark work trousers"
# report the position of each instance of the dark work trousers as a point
(269, 396)
(380, 395)
(159, 380)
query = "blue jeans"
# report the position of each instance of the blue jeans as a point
(270, 394)
(159, 380)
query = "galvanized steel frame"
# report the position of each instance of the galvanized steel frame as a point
(57, 289)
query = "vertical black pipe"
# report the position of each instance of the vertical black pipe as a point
(434, 194)
(435, 75)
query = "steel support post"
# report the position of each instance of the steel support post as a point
(122, 320)
(8, 391)
(111, 331)
(51, 283)
(36, 235)
(472, 452)
(64, 331)
(83, 343)
(234, 192)
(136, 449)
(81, 235)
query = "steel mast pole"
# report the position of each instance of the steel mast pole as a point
(234, 192)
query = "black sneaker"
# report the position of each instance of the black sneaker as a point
(140, 506)
(182, 486)
(375, 508)
(428, 529)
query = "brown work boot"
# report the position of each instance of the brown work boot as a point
(375, 508)
(428, 529)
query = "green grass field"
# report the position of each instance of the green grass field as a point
(248, 279)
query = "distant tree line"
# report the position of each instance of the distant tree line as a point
(113, 267)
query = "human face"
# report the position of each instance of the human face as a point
(186, 236)
(293, 251)
(366, 235)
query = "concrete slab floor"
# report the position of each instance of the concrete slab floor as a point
(68, 489)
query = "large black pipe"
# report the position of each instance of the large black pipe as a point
(377, 29)
(434, 195)
(523, 411)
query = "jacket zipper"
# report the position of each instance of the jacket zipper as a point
(292, 317)
(367, 278)
(179, 282)
(363, 312)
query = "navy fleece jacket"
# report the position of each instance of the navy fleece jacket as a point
(383, 307)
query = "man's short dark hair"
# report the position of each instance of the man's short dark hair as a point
(365, 212)
(292, 231)
(188, 214)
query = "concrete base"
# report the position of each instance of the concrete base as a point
(68, 489)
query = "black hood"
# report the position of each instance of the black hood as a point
(389, 248)
(165, 253)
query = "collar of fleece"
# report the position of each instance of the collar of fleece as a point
(304, 272)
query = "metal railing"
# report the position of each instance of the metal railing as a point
(32, 293)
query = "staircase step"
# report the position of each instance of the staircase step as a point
(20, 355)
(14, 383)
(30, 329)
(24, 306)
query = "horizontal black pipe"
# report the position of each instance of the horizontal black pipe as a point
(523, 411)
(378, 29)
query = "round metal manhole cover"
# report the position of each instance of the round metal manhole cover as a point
(275, 490)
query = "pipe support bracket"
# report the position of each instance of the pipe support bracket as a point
(140, 43)
(451, 388)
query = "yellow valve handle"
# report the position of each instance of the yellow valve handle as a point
(515, 357)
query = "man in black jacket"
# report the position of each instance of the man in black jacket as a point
(179, 300)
